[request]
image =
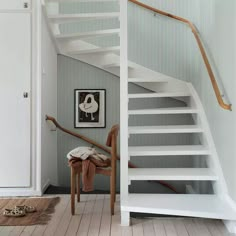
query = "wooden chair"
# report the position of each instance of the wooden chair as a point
(76, 170)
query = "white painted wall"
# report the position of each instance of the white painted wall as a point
(218, 30)
(49, 107)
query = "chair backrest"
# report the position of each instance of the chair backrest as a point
(112, 142)
(113, 133)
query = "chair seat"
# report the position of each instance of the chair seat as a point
(77, 167)
(103, 171)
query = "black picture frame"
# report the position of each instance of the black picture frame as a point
(94, 102)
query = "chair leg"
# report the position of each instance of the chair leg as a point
(78, 187)
(112, 196)
(72, 195)
(114, 183)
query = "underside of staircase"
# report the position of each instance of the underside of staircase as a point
(205, 163)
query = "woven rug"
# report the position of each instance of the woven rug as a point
(45, 208)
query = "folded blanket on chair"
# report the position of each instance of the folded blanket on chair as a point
(88, 173)
(89, 164)
(81, 152)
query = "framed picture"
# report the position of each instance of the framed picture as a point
(90, 108)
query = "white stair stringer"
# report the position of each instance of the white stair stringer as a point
(217, 205)
(220, 186)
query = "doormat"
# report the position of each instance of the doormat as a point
(45, 208)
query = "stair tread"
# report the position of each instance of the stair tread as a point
(59, 17)
(96, 50)
(172, 174)
(165, 129)
(169, 150)
(115, 64)
(83, 0)
(146, 80)
(88, 34)
(160, 94)
(192, 205)
(171, 110)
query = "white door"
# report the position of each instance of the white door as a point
(14, 4)
(15, 80)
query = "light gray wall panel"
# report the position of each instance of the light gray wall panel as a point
(72, 75)
(217, 28)
(162, 44)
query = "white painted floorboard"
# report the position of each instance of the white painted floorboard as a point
(92, 217)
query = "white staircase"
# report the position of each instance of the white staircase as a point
(214, 205)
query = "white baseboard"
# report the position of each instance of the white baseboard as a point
(23, 192)
(46, 185)
(19, 192)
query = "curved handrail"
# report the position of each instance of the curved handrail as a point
(200, 45)
(77, 135)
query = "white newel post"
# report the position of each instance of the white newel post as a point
(124, 110)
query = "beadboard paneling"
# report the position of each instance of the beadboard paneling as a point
(162, 44)
(73, 74)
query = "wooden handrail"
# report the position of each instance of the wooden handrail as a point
(54, 121)
(200, 45)
(77, 135)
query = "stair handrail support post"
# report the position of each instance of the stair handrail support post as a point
(124, 109)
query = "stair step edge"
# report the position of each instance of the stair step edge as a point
(172, 174)
(168, 150)
(165, 129)
(96, 50)
(88, 34)
(164, 94)
(178, 110)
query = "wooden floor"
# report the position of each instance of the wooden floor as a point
(93, 218)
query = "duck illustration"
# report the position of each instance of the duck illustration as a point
(89, 106)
